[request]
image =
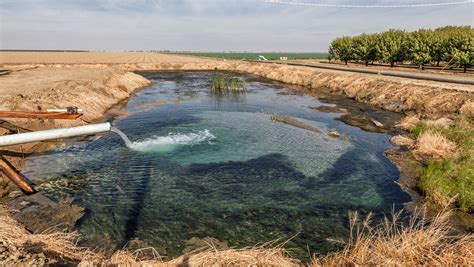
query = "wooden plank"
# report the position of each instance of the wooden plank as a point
(16, 177)
(13, 128)
(38, 115)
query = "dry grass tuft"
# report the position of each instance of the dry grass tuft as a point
(256, 256)
(467, 108)
(441, 122)
(54, 243)
(431, 143)
(408, 123)
(419, 242)
(400, 140)
(127, 258)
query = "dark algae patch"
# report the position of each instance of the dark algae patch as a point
(207, 167)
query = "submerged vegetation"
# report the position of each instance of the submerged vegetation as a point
(452, 45)
(450, 169)
(226, 83)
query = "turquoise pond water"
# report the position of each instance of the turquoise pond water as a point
(218, 166)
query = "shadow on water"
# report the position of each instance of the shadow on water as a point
(256, 201)
(132, 222)
(357, 163)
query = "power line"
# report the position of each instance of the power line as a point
(369, 6)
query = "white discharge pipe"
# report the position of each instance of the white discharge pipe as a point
(15, 139)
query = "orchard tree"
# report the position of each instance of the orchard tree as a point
(438, 45)
(452, 44)
(459, 48)
(341, 49)
(390, 47)
(363, 47)
(418, 47)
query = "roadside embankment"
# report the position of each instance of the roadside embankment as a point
(402, 74)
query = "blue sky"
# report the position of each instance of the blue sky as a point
(207, 25)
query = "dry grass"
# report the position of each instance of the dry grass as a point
(256, 256)
(441, 122)
(127, 258)
(408, 123)
(53, 243)
(210, 256)
(419, 242)
(400, 140)
(468, 108)
(433, 144)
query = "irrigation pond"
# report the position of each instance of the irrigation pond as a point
(212, 165)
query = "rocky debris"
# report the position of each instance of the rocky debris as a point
(377, 123)
(363, 122)
(38, 218)
(334, 133)
(12, 256)
(330, 109)
(15, 194)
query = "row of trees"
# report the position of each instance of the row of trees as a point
(453, 45)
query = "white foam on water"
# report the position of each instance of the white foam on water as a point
(171, 141)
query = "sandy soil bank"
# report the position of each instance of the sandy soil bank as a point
(93, 89)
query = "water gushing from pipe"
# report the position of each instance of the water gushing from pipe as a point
(124, 137)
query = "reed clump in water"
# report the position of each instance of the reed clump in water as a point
(226, 83)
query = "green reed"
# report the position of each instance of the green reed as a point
(226, 83)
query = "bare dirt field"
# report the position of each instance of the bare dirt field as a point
(92, 58)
